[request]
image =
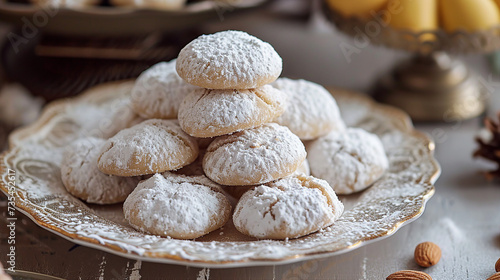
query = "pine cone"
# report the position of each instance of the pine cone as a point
(490, 148)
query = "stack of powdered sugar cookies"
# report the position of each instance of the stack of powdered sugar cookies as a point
(217, 125)
(236, 105)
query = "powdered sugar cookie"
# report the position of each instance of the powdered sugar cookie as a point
(82, 178)
(350, 161)
(177, 206)
(288, 208)
(311, 110)
(159, 91)
(152, 146)
(254, 156)
(209, 113)
(229, 60)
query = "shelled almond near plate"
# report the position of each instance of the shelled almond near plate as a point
(392, 202)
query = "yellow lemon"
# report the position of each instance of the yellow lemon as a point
(362, 8)
(415, 15)
(471, 15)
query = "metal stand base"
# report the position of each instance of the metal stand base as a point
(434, 87)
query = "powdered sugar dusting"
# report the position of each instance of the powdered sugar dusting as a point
(393, 201)
(350, 161)
(254, 156)
(159, 91)
(303, 168)
(287, 208)
(83, 179)
(149, 147)
(229, 60)
(208, 113)
(311, 110)
(177, 206)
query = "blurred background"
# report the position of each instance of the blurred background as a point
(53, 49)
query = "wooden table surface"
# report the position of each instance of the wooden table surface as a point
(462, 218)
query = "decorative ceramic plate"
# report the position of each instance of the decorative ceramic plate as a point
(35, 156)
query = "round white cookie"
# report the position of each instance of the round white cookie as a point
(229, 60)
(82, 178)
(159, 91)
(254, 156)
(153, 146)
(209, 113)
(177, 206)
(288, 208)
(311, 110)
(349, 161)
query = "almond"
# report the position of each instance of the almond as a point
(409, 275)
(497, 266)
(495, 276)
(427, 254)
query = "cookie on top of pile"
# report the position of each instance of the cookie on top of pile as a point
(217, 125)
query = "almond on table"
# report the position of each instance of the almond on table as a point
(427, 254)
(409, 275)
